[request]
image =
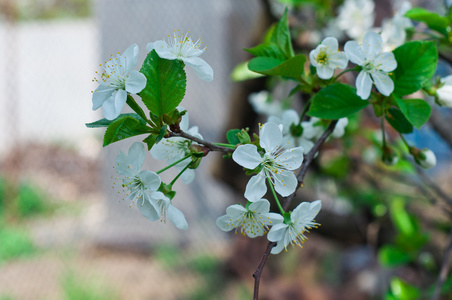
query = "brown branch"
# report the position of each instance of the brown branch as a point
(210, 146)
(444, 269)
(301, 174)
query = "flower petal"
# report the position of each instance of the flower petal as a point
(331, 43)
(363, 85)
(338, 60)
(270, 137)
(385, 62)
(235, 211)
(275, 218)
(256, 187)
(131, 57)
(260, 206)
(372, 45)
(188, 176)
(148, 207)
(285, 183)
(201, 67)
(177, 218)
(163, 50)
(223, 223)
(290, 159)
(277, 232)
(101, 94)
(136, 82)
(136, 156)
(305, 144)
(354, 52)
(114, 105)
(325, 72)
(278, 248)
(150, 180)
(383, 82)
(247, 156)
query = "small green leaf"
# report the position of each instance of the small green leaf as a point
(292, 68)
(416, 64)
(390, 256)
(281, 36)
(403, 291)
(336, 101)
(241, 72)
(433, 20)
(166, 83)
(401, 218)
(123, 128)
(105, 123)
(417, 111)
(398, 121)
(231, 136)
(267, 50)
(150, 141)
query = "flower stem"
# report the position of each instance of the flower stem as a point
(180, 173)
(383, 131)
(341, 73)
(173, 164)
(305, 110)
(405, 142)
(274, 195)
(225, 145)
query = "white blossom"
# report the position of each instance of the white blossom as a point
(276, 163)
(445, 92)
(301, 220)
(181, 46)
(393, 31)
(313, 129)
(254, 219)
(117, 79)
(356, 17)
(375, 65)
(263, 104)
(326, 58)
(426, 159)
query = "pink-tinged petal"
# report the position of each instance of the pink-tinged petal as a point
(363, 85)
(290, 159)
(101, 94)
(150, 180)
(338, 60)
(136, 155)
(383, 82)
(131, 57)
(261, 206)
(285, 183)
(148, 207)
(114, 105)
(163, 50)
(385, 62)
(372, 45)
(354, 52)
(136, 82)
(177, 218)
(331, 43)
(270, 137)
(201, 67)
(247, 156)
(325, 72)
(256, 187)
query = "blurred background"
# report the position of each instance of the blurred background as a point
(66, 234)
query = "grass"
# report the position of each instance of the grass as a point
(76, 288)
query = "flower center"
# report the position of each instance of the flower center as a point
(322, 57)
(114, 74)
(368, 66)
(183, 46)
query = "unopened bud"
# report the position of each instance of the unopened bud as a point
(389, 157)
(424, 158)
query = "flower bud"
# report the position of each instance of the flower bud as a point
(444, 93)
(424, 158)
(389, 157)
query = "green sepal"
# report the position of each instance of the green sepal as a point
(416, 111)
(398, 121)
(291, 68)
(125, 127)
(166, 189)
(243, 136)
(296, 130)
(166, 84)
(286, 216)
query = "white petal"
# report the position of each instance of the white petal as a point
(136, 82)
(247, 156)
(274, 218)
(338, 60)
(305, 144)
(188, 176)
(331, 43)
(289, 117)
(136, 155)
(177, 218)
(149, 47)
(372, 45)
(363, 85)
(383, 82)
(163, 51)
(306, 211)
(385, 62)
(222, 223)
(261, 206)
(325, 72)
(313, 56)
(148, 207)
(354, 52)
(285, 183)
(290, 159)
(277, 232)
(256, 187)
(101, 94)
(201, 67)
(184, 123)
(114, 105)
(150, 179)
(235, 211)
(270, 137)
(131, 57)
(278, 248)
(122, 166)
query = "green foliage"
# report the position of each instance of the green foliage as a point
(433, 20)
(336, 101)
(232, 137)
(241, 72)
(167, 255)
(15, 243)
(291, 68)
(76, 288)
(105, 123)
(281, 36)
(123, 127)
(267, 50)
(166, 84)
(416, 64)
(416, 111)
(400, 290)
(391, 256)
(396, 118)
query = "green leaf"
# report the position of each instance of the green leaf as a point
(403, 291)
(281, 36)
(401, 218)
(390, 256)
(241, 72)
(124, 127)
(336, 101)
(416, 64)
(292, 68)
(267, 50)
(417, 111)
(165, 86)
(398, 121)
(105, 123)
(433, 20)
(232, 137)
(135, 107)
